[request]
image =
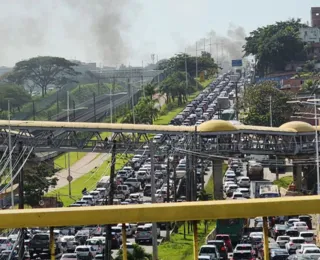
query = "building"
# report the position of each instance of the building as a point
(310, 34)
(315, 17)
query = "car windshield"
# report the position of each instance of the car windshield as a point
(243, 248)
(207, 250)
(41, 237)
(307, 235)
(83, 249)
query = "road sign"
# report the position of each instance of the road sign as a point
(69, 178)
(236, 63)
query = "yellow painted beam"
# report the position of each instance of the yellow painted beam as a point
(160, 212)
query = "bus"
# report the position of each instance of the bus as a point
(233, 227)
(269, 191)
(228, 114)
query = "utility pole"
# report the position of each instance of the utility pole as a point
(33, 111)
(168, 193)
(74, 110)
(270, 110)
(237, 104)
(144, 93)
(186, 68)
(94, 107)
(197, 63)
(158, 74)
(21, 202)
(69, 166)
(111, 99)
(153, 196)
(109, 201)
(10, 154)
(132, 100)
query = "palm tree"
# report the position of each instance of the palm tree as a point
(138, 253)
(150, 90)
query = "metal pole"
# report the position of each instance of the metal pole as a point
(270, 110)
(10, 154)
(186, 68)
(237, 104)
(265, 239)
(210, 46)
(168, 194)
(109, 201)
(158, 75)
(195, 240)
(52, 245)
(68, 119)
(34, 111)
(153, 192)
(94, 107)
(144, 93)
(124, 242)
(21, 203)
(132, 101)
(317, 155)
(74, 110)
(197, 63)
(111, 99)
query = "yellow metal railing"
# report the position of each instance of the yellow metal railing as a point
(162, 212)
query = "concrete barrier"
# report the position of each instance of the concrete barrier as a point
(211, 235)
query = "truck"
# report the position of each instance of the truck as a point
(255, 170)
(255, 187)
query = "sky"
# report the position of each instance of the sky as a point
(114, 32)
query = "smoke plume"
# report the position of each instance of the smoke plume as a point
(223, 48)
(96, 29)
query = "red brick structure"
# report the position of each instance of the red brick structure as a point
(315, 17)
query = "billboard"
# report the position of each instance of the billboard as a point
(310, 34)
(236, 63)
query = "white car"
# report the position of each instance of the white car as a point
(129, 247)
(300, 226)
(309, 236)
(282, 240)
(291, 221)
(5, 244)
(226, 184)
(129, 229)
(85, 251)
(304, 247)
(294, 244)
(244, 181)
(244, 191)
(236, 195)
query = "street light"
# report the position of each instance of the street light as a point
(69, 178)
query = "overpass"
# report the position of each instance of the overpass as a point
(161, 212)
(215, 140)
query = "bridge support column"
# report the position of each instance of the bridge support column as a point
(217, 179)
(297, 176)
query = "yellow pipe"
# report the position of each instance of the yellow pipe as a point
(195, 240)
(52, 245)
(124, 242)
(159, 212)
(265, 239)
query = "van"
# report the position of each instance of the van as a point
(104, 182)
(89, 199)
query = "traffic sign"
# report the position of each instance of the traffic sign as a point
(236, 63)
(69, 178)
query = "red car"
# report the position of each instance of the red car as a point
(226, 239)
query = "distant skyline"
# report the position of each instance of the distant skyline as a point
(114, 32)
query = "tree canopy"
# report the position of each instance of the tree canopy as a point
(256, 103)
(17, 95)
(275, 45)
(37, 181)
(43, 71)
(138, 253)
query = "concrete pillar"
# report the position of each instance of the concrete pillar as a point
(297, 176)
(217, 179)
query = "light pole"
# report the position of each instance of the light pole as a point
(69, 178)
(10, 153)
(270, 110)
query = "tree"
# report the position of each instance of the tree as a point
(150, 90)
(256, 103)
(275, 45)
(43, 71)
(18, 96)
(145, 112)
(37, 181)
(138, 253)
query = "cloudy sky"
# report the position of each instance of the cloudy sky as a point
(112, 32)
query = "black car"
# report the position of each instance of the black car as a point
(278, 254)
(223, 252)
(278, 230)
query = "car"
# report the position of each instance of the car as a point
(85, 251)
(227, 240)
(236, 195)
(294, 244)
(282, 240)
(223, 251)
(245, 192)
(244, 247)
(69, 256)
(305, 246)
(291, 221)
(309, 236)
(278, 230)
(300, 226)
(278, 254)
(209, 250)
(292, 233)
(243, 255)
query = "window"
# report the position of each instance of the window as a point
(83, 249)
(242, 255)
(41, 237)
(307, 235)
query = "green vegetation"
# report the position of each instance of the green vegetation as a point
(276, 45)
(138, 253)
(180, 248)
(88, 180)
(61, 161)
(284, 182)
(256, 104)
(43, 71)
